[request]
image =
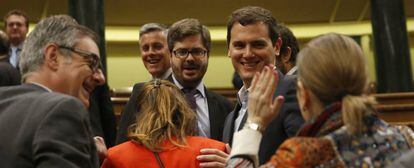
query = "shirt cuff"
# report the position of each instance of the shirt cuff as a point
(246, 143)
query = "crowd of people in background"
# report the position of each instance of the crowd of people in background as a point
(294, 108)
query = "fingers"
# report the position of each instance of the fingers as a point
(270, 85)
(254, 82)
(212, 158)
(277, 104)
(228, 148)
(212, 165)
(214, 152)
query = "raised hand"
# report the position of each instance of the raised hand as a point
(262, 108)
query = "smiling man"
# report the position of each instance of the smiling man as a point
(42, 124)
(253, 43)
(154, 50)
(189, 42)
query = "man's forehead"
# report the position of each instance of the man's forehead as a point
(16, 18)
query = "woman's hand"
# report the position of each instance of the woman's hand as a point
(262, 108)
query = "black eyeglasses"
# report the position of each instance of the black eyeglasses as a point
(93, 59)
(195, 52)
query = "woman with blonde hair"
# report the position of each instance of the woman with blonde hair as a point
(162, 135)
(341, 129)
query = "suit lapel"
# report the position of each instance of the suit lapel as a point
(214, 116)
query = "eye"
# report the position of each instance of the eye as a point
(158, 46)
(259, 44)
(239, 45)
(181, 52)
(145, 48)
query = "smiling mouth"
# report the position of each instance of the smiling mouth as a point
(153, 61)
(250, 64)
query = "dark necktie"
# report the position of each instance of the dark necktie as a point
(190, 96)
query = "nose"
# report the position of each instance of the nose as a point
(98, 77)
(248, 51)
(190, 57)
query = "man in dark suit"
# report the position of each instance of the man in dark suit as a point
(8, 74)
(253, 43)
(189, 42)
(42, 124)
(16, 25)
(286, 59)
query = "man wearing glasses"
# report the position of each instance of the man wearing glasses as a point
(189, 42)
(42, 124)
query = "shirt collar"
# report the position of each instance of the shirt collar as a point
(200, 86)
(292, 71)
(42, 86)
(243, 94)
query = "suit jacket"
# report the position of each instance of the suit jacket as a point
(102, 117)
(44, 129)
(218, 108)
(283, 126)
(8, 75)
(132, 155)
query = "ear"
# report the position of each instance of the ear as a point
(286, 57)
(303, 95)
(277, 45)
(51, 56)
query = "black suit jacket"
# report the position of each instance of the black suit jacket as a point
(102, 117)
(218, 108)
(285, 125)
(9, 75)
(44, 129)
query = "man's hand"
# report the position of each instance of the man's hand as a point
(100, 147)
(213, 158)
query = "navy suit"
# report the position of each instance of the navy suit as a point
(283, 126)
(218, 108)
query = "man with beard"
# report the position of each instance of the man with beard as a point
(189, 42)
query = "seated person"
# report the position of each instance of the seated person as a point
(162, 133)
(341, 128)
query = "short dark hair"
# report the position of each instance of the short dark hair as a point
(185, 28)
(251, 15)
(18, 13)
(151, 27)
(288, 40)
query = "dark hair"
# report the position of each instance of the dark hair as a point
(251, 15)
(151, 27)
(185, 28)
(288, 40)
(18, 13)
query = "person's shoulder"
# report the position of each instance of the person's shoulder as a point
(203, 142)
(212, 95)
(122, 147)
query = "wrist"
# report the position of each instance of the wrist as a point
(256, 126)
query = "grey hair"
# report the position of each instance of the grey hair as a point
(151, 27)
(61, 30)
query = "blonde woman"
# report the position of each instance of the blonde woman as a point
(341, 128)
(162, 134)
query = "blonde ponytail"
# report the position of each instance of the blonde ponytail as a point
(354, 109)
